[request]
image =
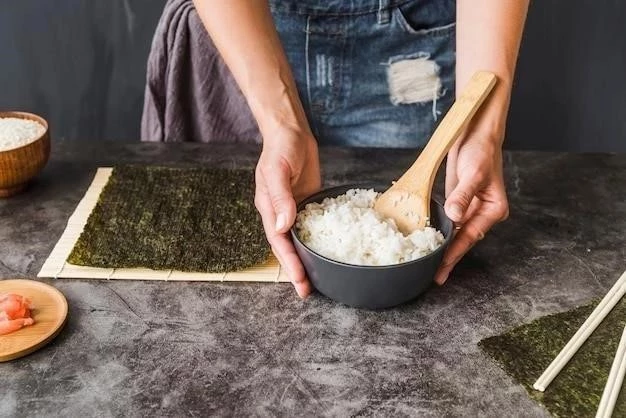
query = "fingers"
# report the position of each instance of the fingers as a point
(278, 184)
(280, 242)
(467, 236)
(289, 260)
(485, 214)
(462, 195)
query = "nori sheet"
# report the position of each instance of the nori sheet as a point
(188, 219)
(525, 352)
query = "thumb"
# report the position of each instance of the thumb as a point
(279, 189)
(461, 197)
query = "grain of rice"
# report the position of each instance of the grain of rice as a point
(349, 230)
(17, 132)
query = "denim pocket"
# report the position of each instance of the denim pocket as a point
(433, 20)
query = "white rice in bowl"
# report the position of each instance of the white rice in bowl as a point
(348, 229)
(17, 132)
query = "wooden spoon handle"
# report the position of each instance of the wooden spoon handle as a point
(449, 129)
(407, 202)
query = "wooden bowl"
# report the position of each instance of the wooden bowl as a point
(19, 165)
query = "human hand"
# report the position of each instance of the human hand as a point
(475, 195)
(288, 170)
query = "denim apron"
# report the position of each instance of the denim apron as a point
(373, 73)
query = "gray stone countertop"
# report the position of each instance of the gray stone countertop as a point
(133, 348)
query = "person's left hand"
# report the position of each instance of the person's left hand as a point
(475, 194)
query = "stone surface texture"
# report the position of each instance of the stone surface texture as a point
(137, 349)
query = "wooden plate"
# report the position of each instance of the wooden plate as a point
(49, 313)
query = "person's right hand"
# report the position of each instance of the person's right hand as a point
(288, 171)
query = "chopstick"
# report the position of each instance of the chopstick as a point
(591, 323)
(614, 382)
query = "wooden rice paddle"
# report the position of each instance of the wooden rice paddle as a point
(407, 201)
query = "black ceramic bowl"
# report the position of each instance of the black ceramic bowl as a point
(372, 287)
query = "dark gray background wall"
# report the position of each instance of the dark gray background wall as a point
(81, 63)
(571, 79)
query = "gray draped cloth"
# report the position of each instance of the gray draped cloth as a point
(190, 93)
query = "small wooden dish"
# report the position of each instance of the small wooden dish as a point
(19, 165)
(49, 313)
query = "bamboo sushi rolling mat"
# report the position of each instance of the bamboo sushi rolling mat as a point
(56, 265)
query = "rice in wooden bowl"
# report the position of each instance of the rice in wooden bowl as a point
(24, 150)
